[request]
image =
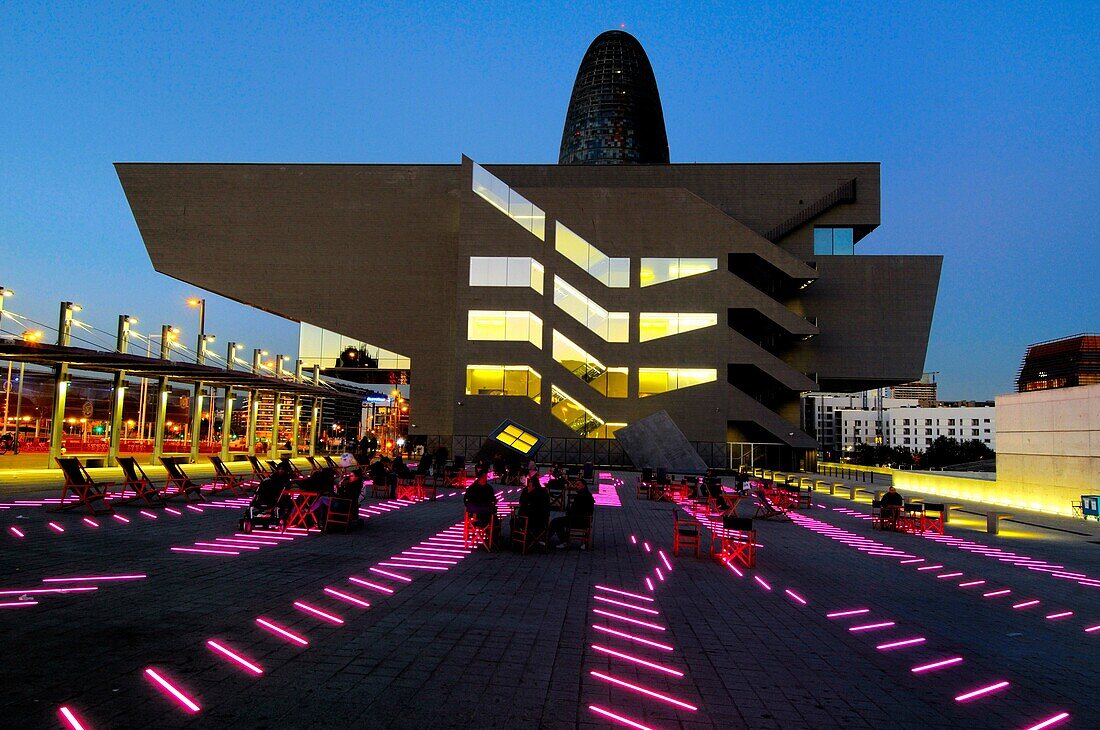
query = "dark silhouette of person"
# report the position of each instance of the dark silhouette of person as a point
(577, 515)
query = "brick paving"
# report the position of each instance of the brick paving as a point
(501, 640)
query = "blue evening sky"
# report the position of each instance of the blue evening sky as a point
(984, 117)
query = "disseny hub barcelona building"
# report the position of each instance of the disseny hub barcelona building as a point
(573, 298)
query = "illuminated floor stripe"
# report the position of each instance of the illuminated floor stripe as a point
(282, 631)
(981, 691)
(1049, 722)
(186, 702)
(234, 657)
(618, 718)
(642, 690)
(69, 718)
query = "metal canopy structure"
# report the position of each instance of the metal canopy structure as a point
(80, 358)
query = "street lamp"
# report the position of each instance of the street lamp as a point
(4, 294)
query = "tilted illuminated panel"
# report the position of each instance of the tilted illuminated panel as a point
(654, 325)
(608, 381)
(654, 381)
(611, 272)
(509, 202)
(611, 326)
(518, 271)
(504, 380)
(659, 270)
(504, 326)
(516, 437)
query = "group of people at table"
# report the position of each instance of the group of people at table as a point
(281, 489)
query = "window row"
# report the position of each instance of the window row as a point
(610, 382)
(504, 380)
(654, 381)
(521, 271)
(659, 270)
(508, 201)
(611, 272)
(655, 325)
(504, 326)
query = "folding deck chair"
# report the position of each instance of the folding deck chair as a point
(294, 470)
(736, 541)
(258, 469)
(177, 478)
(227, 480)
(314, 464)
(139, 481)
(86, 490)
(766, 510)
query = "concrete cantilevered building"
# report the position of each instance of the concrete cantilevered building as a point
(571, 298)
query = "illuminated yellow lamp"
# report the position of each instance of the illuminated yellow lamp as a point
(72, 420)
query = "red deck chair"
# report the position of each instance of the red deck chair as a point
(138, 480)
(766, 509)
(409, 488)
(258, 470)
(186, 488)
(737, 541)
(86, 490)
(226, 480)
(685, 534)
(932, 519)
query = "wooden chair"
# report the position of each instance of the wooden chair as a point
(186, 488)
(912, 517)
(521, 533)
(379, 490)
(341, 513)
(139, 481)
(642, 488)
(932, 518)
(876, 514)
(86, 490)
(225, 480)
(476, 535)
(736, 541)
(258, 470)
(766, 510)
(407, 488)
(583, 533)
(685, 534)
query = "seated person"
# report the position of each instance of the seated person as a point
(713, 485)
(270, 494)
(400, 469)
(892, 502)
(480, 500)
(534, 504)
(579, 513)
(351, 487)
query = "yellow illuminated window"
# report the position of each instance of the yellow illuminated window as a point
(569, 411)
(611, 326)
(611, 272)
(608, 381)
(504, 380)
(653, 381)
(517, 438)
(506, 271)
(504, 326)
(509, 202)
(654, 325)
(659, 270)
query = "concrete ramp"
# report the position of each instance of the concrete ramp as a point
(656, 441)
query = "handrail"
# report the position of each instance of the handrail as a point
(844, 193)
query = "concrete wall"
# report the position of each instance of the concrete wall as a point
(1048, 445)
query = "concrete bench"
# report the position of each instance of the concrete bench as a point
(820, 484)
(853, 490)
(835, 486)
(993, 521)
(950, 507)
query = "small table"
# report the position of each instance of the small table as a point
(301, 513)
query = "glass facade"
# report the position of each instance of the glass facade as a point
(504, 380)
(611, 382)
(504, 326)
(655, 325)
(611, 326)
(834, 242)
(569, 411)
(614, 114)
(659, 270)
(509, 202)
(611, 272)
(654, 381)
(318, 346)
(522, 271)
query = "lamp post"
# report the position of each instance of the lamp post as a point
(121, 346)
(200, 359)
(61, 379)
(254, 402)
(227, 399)
(4, 294)
(167, 334)
(29, 336)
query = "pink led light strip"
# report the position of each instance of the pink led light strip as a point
(281, 631)
(642, 690)
(368, 584)
(931, 667)
(347, 597)
(17, 604)
(323, 615)
(624, 604)
(981, 691)
(69, 718)
(628, 619)
(83, 578)
(188, 703)
(618, 718)
(235, 657)
(638, 596)
(1049, 722)
(631, 637)
(636, 660)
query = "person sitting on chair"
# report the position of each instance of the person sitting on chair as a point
(713, 484)
(480, 500)
(534, 504)
(892, 502)
(579, 513)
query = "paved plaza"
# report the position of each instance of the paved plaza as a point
(566, 639)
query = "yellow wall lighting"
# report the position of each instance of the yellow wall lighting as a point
(1054, 499)
(608, 381)
(611, 326)
(504, 326)
(611, 272)
(655, 325)
(498, 380)
(654, 381)
(659, 270)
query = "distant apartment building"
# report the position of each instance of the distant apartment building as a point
(923, 391)
(1068, 362)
